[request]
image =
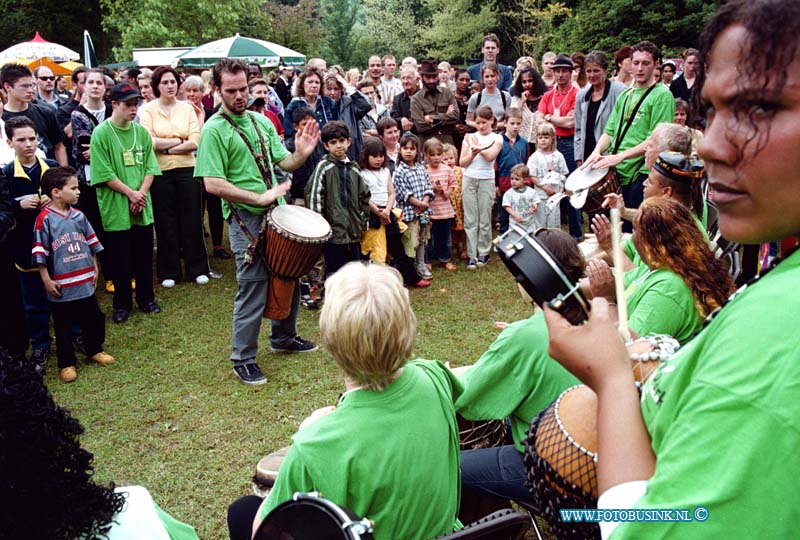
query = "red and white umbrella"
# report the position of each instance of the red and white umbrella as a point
(37, 48)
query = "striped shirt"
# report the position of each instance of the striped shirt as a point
(443, 181)
(66, 244)
(411, 182)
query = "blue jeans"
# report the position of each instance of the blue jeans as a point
(566, 145)
(37, 309)
(497, 471)
(440, 248)
(502, 215)
(252, 284)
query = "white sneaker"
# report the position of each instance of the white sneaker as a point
(168, 283)
(202, 279)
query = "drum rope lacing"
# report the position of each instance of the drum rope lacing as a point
(565, 455)
(569, 437)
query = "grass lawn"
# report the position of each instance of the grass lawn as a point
(170, 415)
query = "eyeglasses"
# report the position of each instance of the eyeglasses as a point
(46, 78)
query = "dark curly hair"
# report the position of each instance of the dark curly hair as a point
(46, 481)
(539, 86)
(764, 60)
(666, 236)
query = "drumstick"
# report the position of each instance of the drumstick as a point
(616, 248)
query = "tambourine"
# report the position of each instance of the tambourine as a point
(540, 274)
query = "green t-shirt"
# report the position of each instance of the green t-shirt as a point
(391, 456)
(658, 107)
(639, 267)
(514, 378)
(223, 154)
(724, 419)
(125, 155)
(660, 302)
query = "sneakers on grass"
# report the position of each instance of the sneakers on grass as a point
(249, 374)
(299, 345)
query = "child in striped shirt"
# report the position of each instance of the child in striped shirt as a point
(64, 250)
(443, 182)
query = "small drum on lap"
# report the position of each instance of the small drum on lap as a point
(561, 448)
(588, 187)
(295, 238)
(476, 434)
(540, 274)
(560, 460)
(267, 471)
(310, 517)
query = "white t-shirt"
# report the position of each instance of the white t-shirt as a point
(378, 182)
(523, 202)
(480, 167)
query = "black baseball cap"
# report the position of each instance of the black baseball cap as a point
(563, 61)
(124, 92)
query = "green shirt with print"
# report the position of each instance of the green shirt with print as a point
(724, 420)
(124, 154)
(514, 378)
(391, 456)
(658, 107)
(223, 154)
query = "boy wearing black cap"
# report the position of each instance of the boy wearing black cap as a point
(123, 167)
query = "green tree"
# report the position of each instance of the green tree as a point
(296, 26)
(610, 24)
(390, 28)
(527, 26)
(154, 23)
(456, 28)
(61, 21)
(342, 33)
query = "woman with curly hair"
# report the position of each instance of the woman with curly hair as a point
(678, 282)
(47, 485)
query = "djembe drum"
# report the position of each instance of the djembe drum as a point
(588, 187)
(295, 238)
(561, 448)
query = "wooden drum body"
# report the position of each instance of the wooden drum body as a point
(588, 187)
(295, 238)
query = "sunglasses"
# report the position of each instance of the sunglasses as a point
(46, 78)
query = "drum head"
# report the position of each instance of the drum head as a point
(307, 517)
(299, 222)
(578, 200)
(540, 274)
(584, 178)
